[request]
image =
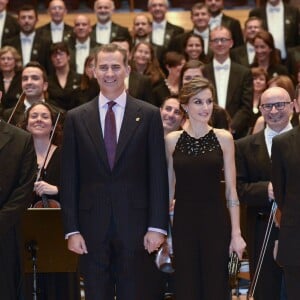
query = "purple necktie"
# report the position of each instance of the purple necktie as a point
(110, 134)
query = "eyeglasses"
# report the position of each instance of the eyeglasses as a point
(277, 105)
(220, 40)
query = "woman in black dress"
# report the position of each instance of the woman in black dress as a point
(39, 121)
(204, 231)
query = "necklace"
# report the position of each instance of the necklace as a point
(173, 90)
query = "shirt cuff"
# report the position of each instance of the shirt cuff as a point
(70, 233)
(158, 230)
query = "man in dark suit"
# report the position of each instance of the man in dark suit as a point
(162, 30)
(200, 17)
(8, 23)
(293, 62)
(255, 188)
(81, 43)
(218, 18)
(244, 54)
(18, 172)
(285, 179)
(233, 82)
(114, 191)
(282, 21)
(56, 30)
(105, 30)
(28, 43)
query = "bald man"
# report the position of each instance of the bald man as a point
(255, 188)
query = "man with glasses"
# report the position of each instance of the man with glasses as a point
(255, 188)
(233, 82)
(285, 179)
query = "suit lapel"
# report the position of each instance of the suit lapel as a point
(260, 151)
(4, 135)
(231, 84)
(132, 118)
(91, 120)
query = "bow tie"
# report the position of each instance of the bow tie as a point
(1, 16)
(224, 67)
(26, 40)
(158, 26)
(56, 28)
(274, 9)
(250, 49)
(102, 27)
(81, 46)
(204, 35)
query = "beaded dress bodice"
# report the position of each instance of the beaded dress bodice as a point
(198, 165)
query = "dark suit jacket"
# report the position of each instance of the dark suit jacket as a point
(235, 28)
(10, 98)
(170, 32)
(293, 61)
(240, 55)
(18, 172)
(116, 31)
(291, 23)
(45, 31)
(39, 52)
(139, 86)
(285, 179)
(134, 193)
(10, 29)
(239, 96)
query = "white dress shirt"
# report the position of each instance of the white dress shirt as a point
(2, 21)
(221, 72)
(270, 134)
(158, 32)
(82, 52)
(205, 36)
(103, 32)
(250, 52)
(57, 31)
(26, 46)
(215, 21)
(275, 20)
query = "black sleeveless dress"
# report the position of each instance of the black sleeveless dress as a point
(201, 229)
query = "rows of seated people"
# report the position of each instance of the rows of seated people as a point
(157, 51)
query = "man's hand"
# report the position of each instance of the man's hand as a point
(153, 240)
(76, 244)
(270, 191)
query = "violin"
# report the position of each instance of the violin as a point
(21, 98)
(45, 202)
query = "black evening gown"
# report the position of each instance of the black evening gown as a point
(201, 229)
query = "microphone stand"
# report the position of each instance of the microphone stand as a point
(32, 249)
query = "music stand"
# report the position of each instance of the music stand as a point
(43, 227)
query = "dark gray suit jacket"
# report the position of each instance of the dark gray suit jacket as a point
(18, 172)
(239, 95)
(134, 193)
(285, 179)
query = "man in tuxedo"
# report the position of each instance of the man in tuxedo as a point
(81, 44)
(18, 172)
(9, 26)
(282, 21)
(114, 190)
(34, 86)
(105, 30)
(56, 30)
(218, 18)
(233, 82)
(162, 30)
(285, 179)
(200, 17)
(255, 188)
(244, 54)
(29, 43)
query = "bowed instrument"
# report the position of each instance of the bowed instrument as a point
(45, 202)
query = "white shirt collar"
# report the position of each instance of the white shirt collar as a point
(59, 26)
(279, 6)
(29, 37)
(226, 62)
(271, 133)
(106, 25)
(161, 24)
(121, 100)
